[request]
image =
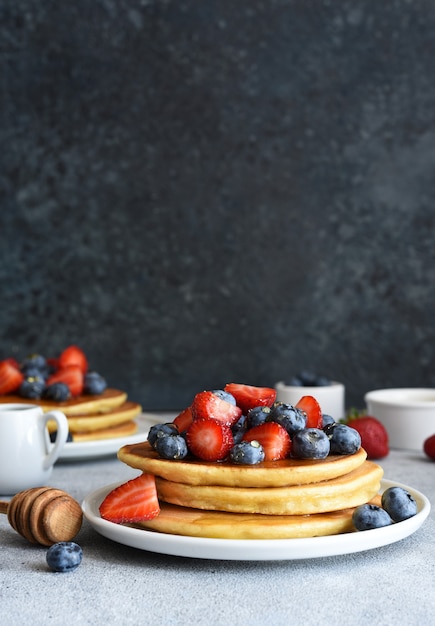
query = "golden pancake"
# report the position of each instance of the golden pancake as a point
(80, 405)
(123, 430)
(267, 474)
(352, 489)
(177, 520)
(97, 421)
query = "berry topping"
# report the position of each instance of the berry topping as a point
(10, 377)
(94, 383)
(343, 438)
(374, 437)
(58, 392)
(72, 376)
(133, 501)
(209, 439)
(256, 416)
(368, 516)
(247, 453)
(183, 420)
(32, 387)
(159, 431)
(207, 405)
(399, 503)
(273, 438)
(224, 395)
(73, 355)
(310, 443)
(171, 447)
(311, 407)
(248, 397)
(290, 418)
(64, 556)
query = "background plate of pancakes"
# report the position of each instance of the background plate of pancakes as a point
(254, 549)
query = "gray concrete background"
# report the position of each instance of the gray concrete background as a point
(204, 192)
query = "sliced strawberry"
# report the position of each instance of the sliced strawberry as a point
(72, 376)
(248, 397)
(183, 419)
(312, 409)
(209, 439)
(73, 355)
(274, 439)
(10, 377)
(207, 405)
(134, 501)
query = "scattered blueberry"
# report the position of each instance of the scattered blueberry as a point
(368, 516)
(94, 383)
(343, 438)
(327, 419)
(310, 443)
(161, 430)
(257, 416)
(173, 447)
(58, 392)
(64, 556)
(224, 395)
(247, 453)
(32, 387)
(399, 503)
(288, 416)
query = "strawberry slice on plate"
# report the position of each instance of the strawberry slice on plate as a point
(10, 377)
(274, 439)
(72, 376)
(207, 405)
(73, 355)
(248, 396)
(209, 439)
(133, 501)
(310, 406)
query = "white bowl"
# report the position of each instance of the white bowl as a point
(408, 414)
(330, 397)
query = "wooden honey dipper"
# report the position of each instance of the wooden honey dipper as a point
(44, 515)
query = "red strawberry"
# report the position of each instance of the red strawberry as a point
(134, 501)
(209, 439)
(274, 439)
(248, 397)
(73, 355)
(72, 376)
(374, 437)
(311, 407)
(10, 377)
(183, 419)
(429, 447)
(207, 405)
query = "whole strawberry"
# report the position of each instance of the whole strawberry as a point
(429, 447)
(374, 437)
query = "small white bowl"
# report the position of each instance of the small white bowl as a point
(330, 397)
(408, 414)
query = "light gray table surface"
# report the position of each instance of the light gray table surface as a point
(116, 584)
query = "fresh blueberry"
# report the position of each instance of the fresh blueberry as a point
(32, 387)
(294, 381)
(35, 364)
(310, 443)
(256, 416)
(161, 430)
(288, 416)
(368, 516)
(239, 428)
(58, 392)
(308, 378)
(322, 381)
(224, 395)
(399, 503)
(247, 453)
(64, 556)
(173, 447)
(327, 419)
(343, 438)
(94, 383)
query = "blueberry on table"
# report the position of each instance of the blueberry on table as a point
(310, 443)
(399, 503)
(343, 439)
(171, 447)
(64, 556)
(369, 516)
(247, 453)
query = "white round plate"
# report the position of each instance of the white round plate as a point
(88, 450)
(254, 549)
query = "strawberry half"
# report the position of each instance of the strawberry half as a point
(73, 355)
(274, 439)
(10, 377)
(134, 501)
(72, 376)
(248, 396)
(374, 437)
(183, 419)
(209, 439)
(312, 409)
(207, 405)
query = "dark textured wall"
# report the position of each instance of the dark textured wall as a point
(199, 192)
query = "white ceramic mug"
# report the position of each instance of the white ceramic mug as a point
(26, 454)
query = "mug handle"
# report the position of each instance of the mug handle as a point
(61, 436)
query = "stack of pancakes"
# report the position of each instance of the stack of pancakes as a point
(91, 417)
(271, 500)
